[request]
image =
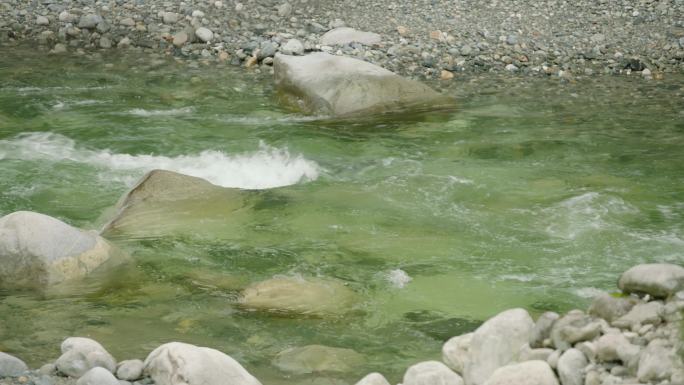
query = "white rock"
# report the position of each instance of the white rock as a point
(615, 346)
(574, 327)
(346, 35)
(11, 366)
(293, 47)
(542, 329)
(129, 370)
(170, 17)
(657, 279)
(204, 34)
(571, 367)
(317, 359)
(524, 373)
(656, 362)
(98, 376)
(37, 250)
(431, 373)
(641, 314)
(79, 355)
(553, 358)
(373, 379)
(42, 20)
(497, 343)
(455, 352)
(611, 308)
(65, 16)
(320, 83)
(177, 363)
(538, 354)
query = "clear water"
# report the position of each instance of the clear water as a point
(533, 193)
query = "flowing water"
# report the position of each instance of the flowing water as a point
(533, 193)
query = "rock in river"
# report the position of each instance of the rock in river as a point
(79, 355)
(177, 363)
(320, 83)
(657, 279)
(299, 295)
(431, 373)
(317, 359)
(37, 250)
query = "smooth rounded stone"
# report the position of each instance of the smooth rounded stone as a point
(588, 348)
(524, 373)
(317, 359)
(431, 373)
(11, 366)
(571, 367)
(656, 362)
(284, 10)
(616, 347)
(320, 83)
(346, 35)
(373, 379)
(80, 354)
(180, 39)
(455, 352)
(611, 308)
(98, 376)
(299, 295)
(178, 363)
(293, 47)
(657, 279)
(89, 21)
(553, 358)
(572, 328)
(204, 34)
(539, 354)
(497, 343)
(641, 314)
(542, 329)
(170, 17)
(129, 370)
(42, 20)
(37, 251)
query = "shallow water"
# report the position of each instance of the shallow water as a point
(533, 193)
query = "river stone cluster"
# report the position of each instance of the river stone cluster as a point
(427, 39)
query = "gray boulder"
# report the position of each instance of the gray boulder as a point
(98, 376)
(346, 35)
(497, 343)
(320, 83)
(317, 359)
(79, 355)
(177, 363)
(657, 279)
(293, 47)
(431, 373)
(524, 373)
(373, 379)
(37, 251)
(571, 367)
(574, 327)
(610, 308)
(11, 366)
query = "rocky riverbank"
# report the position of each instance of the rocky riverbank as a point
(426, 39)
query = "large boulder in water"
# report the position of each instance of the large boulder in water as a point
(165, 202)
(317, 359)
(657, 279)
(37, 251)
(178, 363)
(298, 295)
(324, 84)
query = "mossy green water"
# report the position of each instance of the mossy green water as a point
(534, 193)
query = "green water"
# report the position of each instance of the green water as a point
(533, 193)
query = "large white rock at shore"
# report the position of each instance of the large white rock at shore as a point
(11, 366)
(37, 250)
(497, 343)
(455, 352)
(320, 83)
(98, 376)
(80, 354)
(431, 373)
(299, 295)
(657, 279)
(373, 379)
(524, 373)
(346, 35)
(177, 363)
(317, 359)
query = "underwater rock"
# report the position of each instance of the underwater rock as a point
(80, 354)
(641, 314)
(571, 366)
(310, 296)
(524, 373)
(165, 202)
(177, 363)
(317, 359)
(37, 250)
(657, 279)
(431, 373)
(324, 84)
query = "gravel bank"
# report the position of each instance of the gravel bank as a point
(418, 38)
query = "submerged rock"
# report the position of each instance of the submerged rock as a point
(37, 250)
(320, 83)
(657, 279)
(177, 363)
(166, 202)
(11, 366)
(346, 35)
(497, 343)
(299, 295)
(79, 355)
(524, 373)
(317, 359)
(431, 373)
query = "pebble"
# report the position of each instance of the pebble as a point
(204, 34)
(42, 20)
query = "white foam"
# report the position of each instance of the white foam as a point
(588, 292)
(518, 277)
(170, 112)
(398, 278)
(266, 167)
